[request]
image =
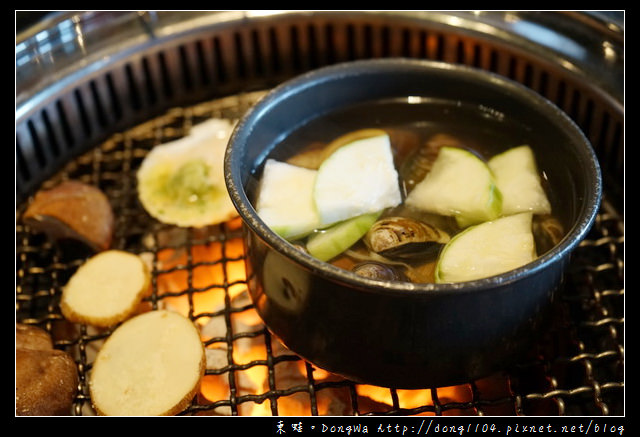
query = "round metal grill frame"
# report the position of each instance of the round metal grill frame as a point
(91, 75)
(586, 339)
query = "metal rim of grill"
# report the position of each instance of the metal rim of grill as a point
(578, 369)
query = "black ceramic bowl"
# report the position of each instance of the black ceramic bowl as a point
(399, 334)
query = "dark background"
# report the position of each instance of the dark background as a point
(24, 19)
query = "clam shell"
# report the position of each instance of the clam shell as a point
(404, 237)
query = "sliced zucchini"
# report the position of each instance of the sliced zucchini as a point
(517, 177)
(328, 243)
(460, 185)
(487, 249)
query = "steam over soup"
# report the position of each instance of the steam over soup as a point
(411, 189)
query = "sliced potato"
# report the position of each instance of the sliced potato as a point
(151, 365)
(105, 290)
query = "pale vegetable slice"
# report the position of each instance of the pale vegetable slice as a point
(460, 185)
(315, 156)
(518, 179)
(106, 289)
(285, 199)
(151, 365)
(182, 182)
(349, 138)
(358, 178)
(487, 249)
(331, 242)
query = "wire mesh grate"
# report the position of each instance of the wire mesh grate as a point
(577, 368)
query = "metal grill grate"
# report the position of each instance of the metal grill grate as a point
(577, 369)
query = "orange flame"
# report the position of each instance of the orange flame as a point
(208, 270)
(202, 281)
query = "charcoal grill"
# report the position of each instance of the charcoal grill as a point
(96, 91)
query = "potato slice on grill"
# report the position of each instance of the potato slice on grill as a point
(106, 290)
(150, 366)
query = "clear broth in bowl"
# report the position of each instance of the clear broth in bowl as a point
(417, 127)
